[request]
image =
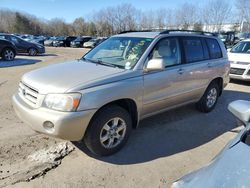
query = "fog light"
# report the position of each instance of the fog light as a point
(49, 126)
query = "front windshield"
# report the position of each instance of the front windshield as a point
(92, 40)
(241, 35)
(241, 47)
(79, 39)
(60, 38)
(222, 36)
(123, 52)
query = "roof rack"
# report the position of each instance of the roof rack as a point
(188, 31)
(146, 30)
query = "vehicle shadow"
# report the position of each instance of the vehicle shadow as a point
(18, 62)
(38, 55)
(175, 131)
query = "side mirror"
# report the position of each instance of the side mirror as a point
(240, 109)
(155, 65)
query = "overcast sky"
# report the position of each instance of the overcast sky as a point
(71, 9)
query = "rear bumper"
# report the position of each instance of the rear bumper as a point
(67, 125)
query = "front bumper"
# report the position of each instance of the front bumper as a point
(41, 50)
(240, 72)
(76, 45)
(58, 44)
(67, 125)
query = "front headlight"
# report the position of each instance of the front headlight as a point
(62, 102)
(61, 41)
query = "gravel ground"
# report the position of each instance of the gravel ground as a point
(164, 147)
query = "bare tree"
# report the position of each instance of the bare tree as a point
(79, 26)
(186, 16)
(243, 10)
(215, 13)
(160, 18)
(7, 18)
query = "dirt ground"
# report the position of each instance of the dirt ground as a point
(164, 148)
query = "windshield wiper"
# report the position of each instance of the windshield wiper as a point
(98, 61)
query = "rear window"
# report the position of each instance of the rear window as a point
(193, 49)
(214, 49)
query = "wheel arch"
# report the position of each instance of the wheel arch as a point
(28, 49)
(128, 104)
(219, 81)
(8, 47)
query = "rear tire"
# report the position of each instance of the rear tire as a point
(209, 99)
(8, 54)
(108, 131)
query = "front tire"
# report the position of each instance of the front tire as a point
(32, 52)
(209, 98)
(108, 131)
(8, 54)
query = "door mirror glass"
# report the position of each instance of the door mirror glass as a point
(155, 65)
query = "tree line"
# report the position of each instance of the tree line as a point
(112, 20)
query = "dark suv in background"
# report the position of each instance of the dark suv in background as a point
(63, 41)
(7, 50)
(23, 46)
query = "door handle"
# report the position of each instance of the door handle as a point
(180, 71)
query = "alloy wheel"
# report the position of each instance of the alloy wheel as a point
(211, 98)
(113, 133)
(9, 55)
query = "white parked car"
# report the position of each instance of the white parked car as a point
(239, 57)
(231, 168)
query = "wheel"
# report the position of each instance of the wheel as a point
(209, 98)
(32, 51)
(8, 54)
(108, 131)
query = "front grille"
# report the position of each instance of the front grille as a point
(237, 71)
(29, 93)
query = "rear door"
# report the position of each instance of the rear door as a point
(196, 67)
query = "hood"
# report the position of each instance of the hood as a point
(239, 57)
(229, 169)
(63, 77)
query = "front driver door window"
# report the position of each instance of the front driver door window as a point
(168, 50)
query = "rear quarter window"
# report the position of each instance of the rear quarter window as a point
(193, 49)
(214, 48)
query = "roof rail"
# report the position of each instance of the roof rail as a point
(188, 31)
(146, 30)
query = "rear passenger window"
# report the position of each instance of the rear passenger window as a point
(193, 49)
(214, 48)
